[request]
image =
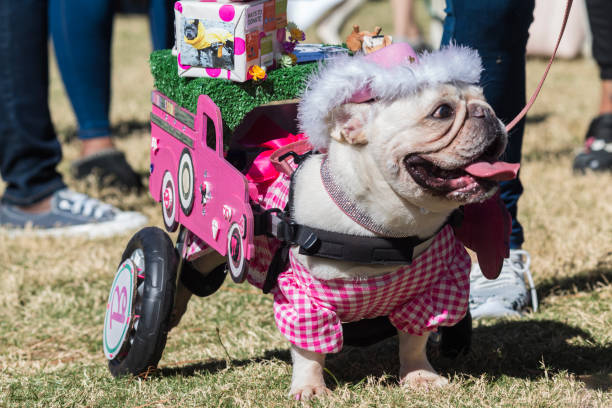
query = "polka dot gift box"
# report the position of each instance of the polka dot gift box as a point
(223, 39)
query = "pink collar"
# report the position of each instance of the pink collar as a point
(350, 207)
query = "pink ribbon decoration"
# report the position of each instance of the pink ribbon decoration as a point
(486, 230)
(262, 173)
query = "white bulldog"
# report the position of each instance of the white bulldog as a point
(406, 141)
(420, 141)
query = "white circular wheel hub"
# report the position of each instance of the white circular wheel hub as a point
(236, 257)
(169, 201)
(185, 182)
(118, 319)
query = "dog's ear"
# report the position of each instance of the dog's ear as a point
(347, 123)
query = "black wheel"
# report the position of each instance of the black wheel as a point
(236, 255)
(199, 284)
(186, 180)
(168, 202)
(457, 339)
(153, 254)
(363, 333)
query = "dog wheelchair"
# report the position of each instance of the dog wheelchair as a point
(208, 192)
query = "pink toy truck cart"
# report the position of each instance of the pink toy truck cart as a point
(210, 199)
(184, 167)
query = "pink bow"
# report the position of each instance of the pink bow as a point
(262, 173)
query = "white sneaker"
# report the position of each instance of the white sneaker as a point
(71, 214)
(507, 295)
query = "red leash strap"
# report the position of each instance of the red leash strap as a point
(520, 116)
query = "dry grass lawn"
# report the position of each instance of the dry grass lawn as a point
(227, 351)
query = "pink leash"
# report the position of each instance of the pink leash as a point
(520, 116)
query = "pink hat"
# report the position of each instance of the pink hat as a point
(387, 57)
(387, 74)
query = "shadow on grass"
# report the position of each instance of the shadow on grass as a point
(530, 349)
(584, 281)
(521, 349)
(119, 131)
(214, 366)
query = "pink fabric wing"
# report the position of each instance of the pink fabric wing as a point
(486, 230)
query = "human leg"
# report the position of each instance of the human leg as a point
(403, 20)
(161, 21)
(600, 19)
(405, 28)
(605, 105)
(498, 29)
(35, 193)
(597, 151)
(82, 34)
(30, 150)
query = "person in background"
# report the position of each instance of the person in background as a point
(305, 13)
(405, 26)
(499, 30)
(597, 152)
(35, 193)
(82, 37)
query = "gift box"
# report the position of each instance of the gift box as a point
(223, 39)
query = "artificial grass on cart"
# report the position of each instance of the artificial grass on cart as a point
(234, 99)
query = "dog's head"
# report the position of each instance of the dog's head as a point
(439, 142)
(191, 29)
(427, 128)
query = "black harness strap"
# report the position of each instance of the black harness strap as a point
(331, 245)
(353, 248)
(280, 259)
(278, 224)
(337, 246)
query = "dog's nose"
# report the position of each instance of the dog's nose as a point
(476, 110)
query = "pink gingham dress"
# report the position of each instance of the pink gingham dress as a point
(417, 298)
(432, 291)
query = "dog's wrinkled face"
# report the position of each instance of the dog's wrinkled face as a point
(191, 29)
(424, 144)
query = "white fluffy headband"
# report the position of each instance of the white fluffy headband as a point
(387, 74)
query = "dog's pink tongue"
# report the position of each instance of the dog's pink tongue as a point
(498, 171)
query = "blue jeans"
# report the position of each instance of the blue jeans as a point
(82, 33)
(29, 149)
(498, 29)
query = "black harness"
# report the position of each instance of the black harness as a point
(277, 223)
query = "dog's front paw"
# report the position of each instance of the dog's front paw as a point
(423, 378)
(306, 392)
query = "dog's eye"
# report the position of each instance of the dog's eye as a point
(443, 111)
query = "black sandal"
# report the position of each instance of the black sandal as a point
(597, 153)
(111, 168)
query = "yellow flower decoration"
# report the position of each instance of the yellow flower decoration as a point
(297, 34)
(257, 73)
(293, 58)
